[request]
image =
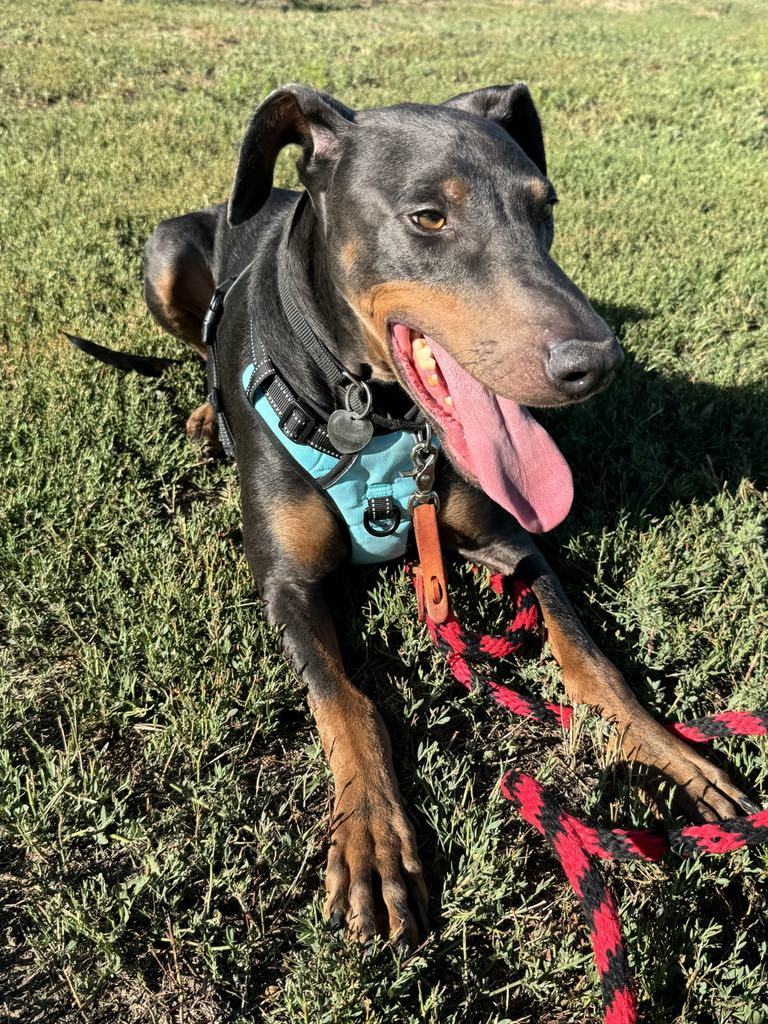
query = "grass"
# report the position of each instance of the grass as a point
(163, 796)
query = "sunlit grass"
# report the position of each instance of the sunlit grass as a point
(163, 801)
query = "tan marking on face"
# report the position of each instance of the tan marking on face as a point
(349, 254)
(455, 189)
(493, 336)
(306, 530)
(378, 352)
(539, 190)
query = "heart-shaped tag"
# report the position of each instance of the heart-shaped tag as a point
(348, 432)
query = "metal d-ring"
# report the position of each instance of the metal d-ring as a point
(394, 522)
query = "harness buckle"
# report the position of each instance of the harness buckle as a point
(213, 313)
(297, 424)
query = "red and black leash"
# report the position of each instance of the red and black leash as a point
(578, 845)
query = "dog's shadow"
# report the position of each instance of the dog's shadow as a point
(655, 440)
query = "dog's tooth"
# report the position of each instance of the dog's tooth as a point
(433, 380)
(424, 358)
(417, 343)
(448, 402)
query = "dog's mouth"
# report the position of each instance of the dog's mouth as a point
(492, 441)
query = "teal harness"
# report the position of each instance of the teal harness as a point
(370, 495)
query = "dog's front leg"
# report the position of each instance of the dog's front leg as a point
(588, 676)
(374, 880)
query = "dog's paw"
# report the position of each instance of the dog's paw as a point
(703, 790)
(203, 428)
(374, 882)
(706, 791)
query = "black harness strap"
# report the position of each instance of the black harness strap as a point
(210, 327)
(296, 421)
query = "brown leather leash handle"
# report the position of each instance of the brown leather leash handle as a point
(429, 574)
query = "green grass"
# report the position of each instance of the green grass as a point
(163, 795)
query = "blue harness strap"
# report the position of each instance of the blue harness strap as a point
(373, 475)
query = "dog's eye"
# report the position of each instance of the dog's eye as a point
(546, 211)
(429, 220)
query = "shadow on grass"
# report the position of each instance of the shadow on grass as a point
(652, 440)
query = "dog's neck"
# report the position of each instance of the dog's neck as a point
(308, 272)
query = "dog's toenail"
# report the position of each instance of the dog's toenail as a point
(749, 806)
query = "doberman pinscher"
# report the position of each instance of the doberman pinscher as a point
(419, 253)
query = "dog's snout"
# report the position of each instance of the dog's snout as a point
(579, 368)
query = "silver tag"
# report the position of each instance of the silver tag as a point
(348, 432)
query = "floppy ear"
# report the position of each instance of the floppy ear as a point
(294, 113)
(510, 106)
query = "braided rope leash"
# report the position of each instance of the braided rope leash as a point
(578, 845)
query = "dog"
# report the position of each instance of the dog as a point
(418, 259)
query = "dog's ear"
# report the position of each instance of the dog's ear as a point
(510, 106)
(294, 113)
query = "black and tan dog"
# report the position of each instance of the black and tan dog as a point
(421, 257)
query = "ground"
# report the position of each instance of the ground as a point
(163, 796)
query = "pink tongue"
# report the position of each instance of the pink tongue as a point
(511, 456)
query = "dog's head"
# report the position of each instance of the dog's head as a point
(439, 221)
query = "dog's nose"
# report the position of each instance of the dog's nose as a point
(578, 368)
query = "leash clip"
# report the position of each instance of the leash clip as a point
(424, 458)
